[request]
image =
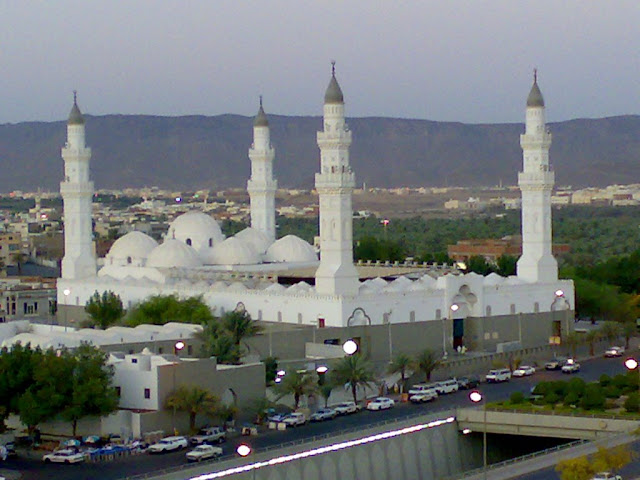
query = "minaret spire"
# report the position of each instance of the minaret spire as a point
(335, 182)
(536, 180)
(262, 186)
(77, 191)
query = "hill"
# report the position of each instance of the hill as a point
(211, 152)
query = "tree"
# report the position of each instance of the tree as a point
(194, 400)
(426, 362)
(612, 459)
(353, 370)
(217, 342)
(16, 376)
(162, 309)
(572, 340)
(479, 265)
(297, 384)
(506, 265)
(104, 310)
(629, 330)
(325, 390)
(240, 325)
(19, 258)
(400, 364)
(611, 331)
(91, 393)
(575, 469)
(590, 338)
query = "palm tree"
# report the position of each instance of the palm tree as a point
(629, 329)
(297, 384)
(572, 340)
(194, 400)
(400, 364)
(355, 371)
(591, 337)
(426, 361)
(610, 330)
(325, 391)
(240, 325)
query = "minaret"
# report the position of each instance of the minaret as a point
(536, 181)
(335, 183)
(79, 258)
(262, 186)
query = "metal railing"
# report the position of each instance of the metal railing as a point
(448, 412)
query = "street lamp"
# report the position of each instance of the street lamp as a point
(321, 371)
(350, 347)
(452, 309)
(176, 350)
(243, 450)
(632, 364)
(66, 293)
(476, 397)
(178, 347)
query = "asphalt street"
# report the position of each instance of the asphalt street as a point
(32, 468)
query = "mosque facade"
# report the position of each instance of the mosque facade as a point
(242, 271)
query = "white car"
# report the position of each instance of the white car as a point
(380, 403)
(295, 419)
(209, 435)
(498, 375)
(571, 367)
(422, 387)
(447, 386)
(345, 408)
(323, 414)
(64, 456)
(426, 396)
(614, 352)
(606, 476)
(203, 452)
(524, 371)
(169, 444)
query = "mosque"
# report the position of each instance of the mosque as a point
(447, 309)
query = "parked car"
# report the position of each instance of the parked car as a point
(11, 449)
(571, 367)
(422, 387)
(614, 352)
(498, 375)
(295, 419)
(555, 363)
(426, 396)
(209, 435)
(380, 403)
(345, 408)
(606, 476)
(466, 383)
(168, 444)
(447, 386)
(203, 452)
(64, 456)
(323, 414)
(524, 371)
(277, 417)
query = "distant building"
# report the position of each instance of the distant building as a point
(10, 245)
(492, 249)
(27, 299)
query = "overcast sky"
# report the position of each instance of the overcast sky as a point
(468, 61)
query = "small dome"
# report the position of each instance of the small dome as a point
(131, 249)
(291, 249)
(197, 230)
(535, 95)
(75, 116)
(261, 118)
(255, 239)
(334, 92)
(174, 253)
(233, 252)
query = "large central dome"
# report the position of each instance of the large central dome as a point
(197, 230)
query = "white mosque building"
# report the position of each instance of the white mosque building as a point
(243, 270)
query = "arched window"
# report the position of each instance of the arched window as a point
(536, 307)
(438, 314)
(211, 242)
(513, 308)
(488, 310)
(188, 241)
(128, 260)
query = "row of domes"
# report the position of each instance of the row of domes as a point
(195, 239)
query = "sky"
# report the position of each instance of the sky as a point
(448, 60)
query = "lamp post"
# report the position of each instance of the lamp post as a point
(176, 350)
(244, 450)
(453, 308)
(476, 397)
(321, 371)
(632, 364)
(66, 293)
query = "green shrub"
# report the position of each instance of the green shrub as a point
(559, 387)
(605, 380)
(593, 398)
(551, 398)
(572, 398)
(541, 388)
(612, 391)
(632, 403)
(576, 385)
(516, 398)
(621, 381)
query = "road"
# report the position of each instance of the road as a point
(33, 468)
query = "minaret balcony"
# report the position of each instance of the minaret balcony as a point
(262, 186)
(338, 138)
(542, 140)
(338, 179)
(535, 180)
(76, 188)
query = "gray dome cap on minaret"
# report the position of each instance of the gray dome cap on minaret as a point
(75, 116)
(535, 95)
(333, 93)
(261, 118)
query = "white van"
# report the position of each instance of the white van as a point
(498, 375)
(447, 386)
(422, 388)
